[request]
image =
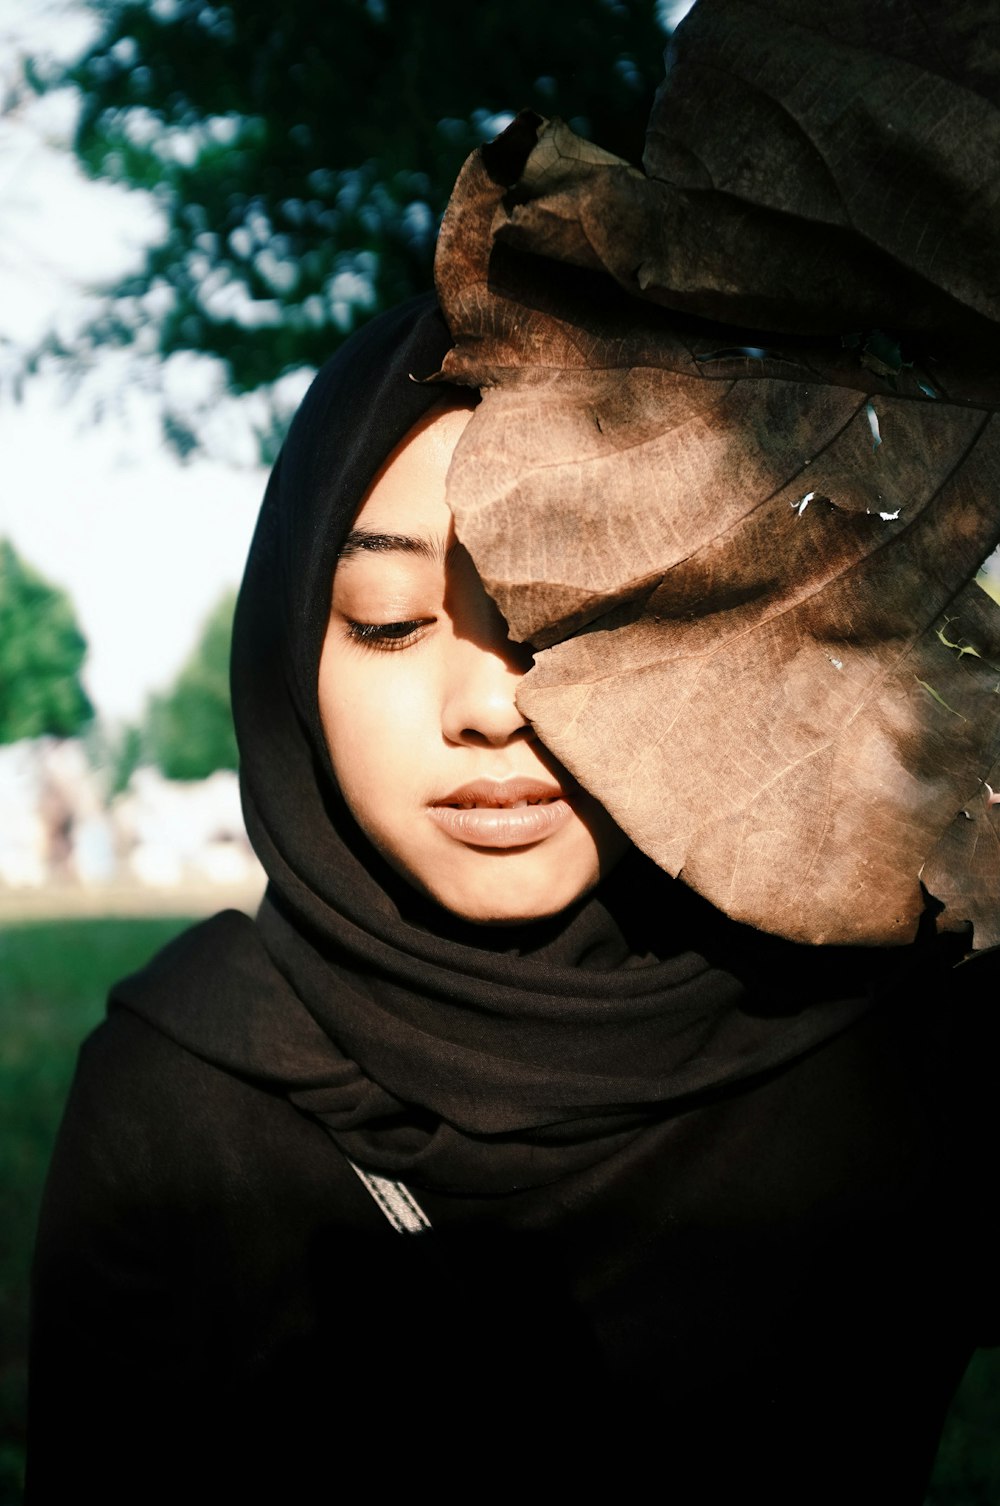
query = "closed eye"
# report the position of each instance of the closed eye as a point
(387, 636)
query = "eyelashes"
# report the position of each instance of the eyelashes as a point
(387, 636)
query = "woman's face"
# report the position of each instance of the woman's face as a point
(416, 695)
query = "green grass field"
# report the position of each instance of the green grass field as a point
(53, 979)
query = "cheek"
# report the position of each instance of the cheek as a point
(378, 726)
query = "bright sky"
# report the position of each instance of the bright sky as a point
(94, 500)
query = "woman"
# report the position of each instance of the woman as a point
(488, 1155)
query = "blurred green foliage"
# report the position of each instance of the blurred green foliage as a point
(302, 154)
(41, 654)
(117, 749)
(189, 731)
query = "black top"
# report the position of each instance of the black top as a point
(776, 1288)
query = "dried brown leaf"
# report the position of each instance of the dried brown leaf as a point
(748, 576)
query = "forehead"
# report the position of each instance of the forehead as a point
(407, 495)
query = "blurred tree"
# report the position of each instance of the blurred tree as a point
(41, 653)
(189, 731)
(302, 154)
(116, 749)
(126, 755)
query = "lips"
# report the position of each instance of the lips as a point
(502, 813)
(501, 794)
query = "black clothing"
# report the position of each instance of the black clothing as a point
(777, 1289)
(706, 1205)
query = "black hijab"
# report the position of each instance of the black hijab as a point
(450, 1055)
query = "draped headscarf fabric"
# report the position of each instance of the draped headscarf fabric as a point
(453, 1056)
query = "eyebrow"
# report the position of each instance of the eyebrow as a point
(366, 540)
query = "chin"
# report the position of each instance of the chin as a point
(512, 898)
(510, 887)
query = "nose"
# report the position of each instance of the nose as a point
(479, 706)
(484, 670)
